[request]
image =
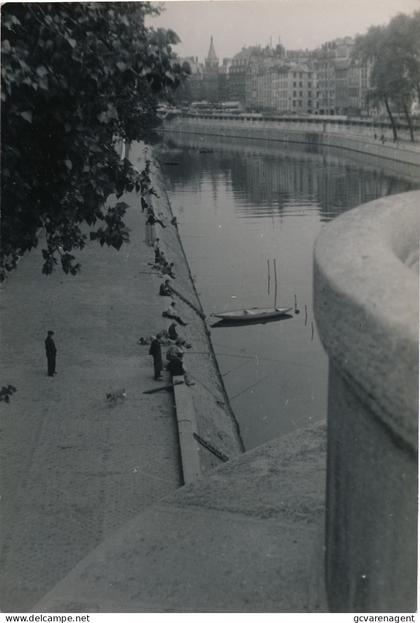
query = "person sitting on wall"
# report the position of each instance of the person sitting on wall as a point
(168, 269)
(161, 258)
(152, 219)
(172, 332)
(176, 368)
(173, 352)
(165, 288)
(172, 312)
(144, 204)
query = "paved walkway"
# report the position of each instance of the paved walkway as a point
(74, 468)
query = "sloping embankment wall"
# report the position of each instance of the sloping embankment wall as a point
(402, 156)
(216, 422)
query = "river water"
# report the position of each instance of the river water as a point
(249, 213)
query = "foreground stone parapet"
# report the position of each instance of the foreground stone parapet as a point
(366, 305)
(242, 538)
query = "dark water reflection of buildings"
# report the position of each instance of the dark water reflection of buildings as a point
(242, 203)
(280, 177)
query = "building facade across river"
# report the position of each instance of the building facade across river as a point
(322, 81)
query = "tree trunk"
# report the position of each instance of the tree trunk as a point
(409, 120)
(391, 118)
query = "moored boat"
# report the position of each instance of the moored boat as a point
(252, 313)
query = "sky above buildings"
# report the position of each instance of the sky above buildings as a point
(296, 23)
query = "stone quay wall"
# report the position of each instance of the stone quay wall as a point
(366, 308)
(359, 138)
(217, 437)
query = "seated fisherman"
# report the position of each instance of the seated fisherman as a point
(168, 269)
(175, 366)
(173, 352)
(165, 288)
(172, 312)
(152, 219)
(172, 332)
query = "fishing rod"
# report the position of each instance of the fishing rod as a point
(188, 302)
(250, 387)
(246, 363)
(294, 363)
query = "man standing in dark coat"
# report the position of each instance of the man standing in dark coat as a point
(51, 352)
(156, 352)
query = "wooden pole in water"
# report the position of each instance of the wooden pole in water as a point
(275, 283)
(268, 276)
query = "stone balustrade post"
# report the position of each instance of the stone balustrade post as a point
(366, 308)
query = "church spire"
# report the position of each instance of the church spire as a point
(211, 56)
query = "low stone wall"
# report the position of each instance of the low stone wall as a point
(366, 307)
(356, 139)
(217, 426)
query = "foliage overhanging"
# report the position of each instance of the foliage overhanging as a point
(394, 54)
(75, 76)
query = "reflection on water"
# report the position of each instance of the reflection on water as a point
(248, 215)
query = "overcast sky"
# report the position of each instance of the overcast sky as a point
(297, 23)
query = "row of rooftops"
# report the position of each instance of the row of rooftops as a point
(338, 51)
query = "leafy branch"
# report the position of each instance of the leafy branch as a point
(74, 76)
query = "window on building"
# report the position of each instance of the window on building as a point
(294, 93)
(294, 84)
(294, 103)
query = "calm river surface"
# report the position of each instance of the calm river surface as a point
(240, 206)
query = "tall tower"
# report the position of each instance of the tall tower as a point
(212, 62)
(211, 75)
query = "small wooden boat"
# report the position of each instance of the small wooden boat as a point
(171, 163)
(252, 313)
(206, 150)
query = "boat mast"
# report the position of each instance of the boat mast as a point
(275, 283)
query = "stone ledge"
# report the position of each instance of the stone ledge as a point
(366, 307)
(187, 426)
(366, 300)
